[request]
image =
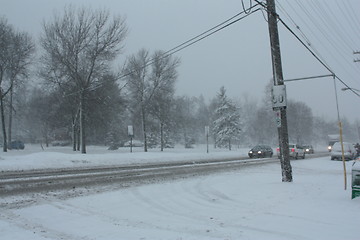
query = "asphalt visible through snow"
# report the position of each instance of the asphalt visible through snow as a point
(15, 183)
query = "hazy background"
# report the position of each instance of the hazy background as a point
(237, 57)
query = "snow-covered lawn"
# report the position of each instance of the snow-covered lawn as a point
(33, 157)
(251, 203)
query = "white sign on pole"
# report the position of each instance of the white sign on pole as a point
(130, 131)
(278, 118)
(206, 130)
(279, 96)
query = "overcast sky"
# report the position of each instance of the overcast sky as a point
(238, 57)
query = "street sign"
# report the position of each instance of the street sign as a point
(130, 131)
(278, 96)
(278, 118)
(206, 130)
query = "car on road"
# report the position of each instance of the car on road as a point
(349, 151)
(260, 151)
(309, 149)
(296, 151)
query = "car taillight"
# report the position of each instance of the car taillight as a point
(278, 149)
(293, 150)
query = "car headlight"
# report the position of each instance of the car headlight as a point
(250, 152)
(259, 152)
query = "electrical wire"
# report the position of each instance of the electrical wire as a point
(327, 34)
(307, 46)
(327, 67)
(230, 21)
(202, 35)
(243, 6)
(309, 43)
(329, 31)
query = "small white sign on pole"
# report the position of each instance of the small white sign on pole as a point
(206, 130)
(278, 118)
(279, 96)
(130, 131)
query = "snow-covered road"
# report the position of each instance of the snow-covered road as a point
(247, 203)
(44, 180)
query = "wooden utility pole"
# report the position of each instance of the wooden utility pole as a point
(278, 81)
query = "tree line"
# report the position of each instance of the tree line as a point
(79, 98)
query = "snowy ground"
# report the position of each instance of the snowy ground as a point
(251, 203)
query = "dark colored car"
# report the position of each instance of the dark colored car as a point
(16, 145)
(260, 151)
(308, 149)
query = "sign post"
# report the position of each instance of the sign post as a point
(131, 135)
(278, 96)
(207, 138)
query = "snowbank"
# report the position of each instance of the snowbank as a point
(251, 203)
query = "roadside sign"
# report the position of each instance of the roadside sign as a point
(278, 96)
(130, 131)
(278, 118)
(206, 130)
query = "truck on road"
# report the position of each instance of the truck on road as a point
(332, 138)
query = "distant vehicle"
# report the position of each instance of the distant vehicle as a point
(357, 148)
(349, 151)
(134, 143)
(260, 151)
(17, 144)
(308, 149)
(333, 138)
(296, 151)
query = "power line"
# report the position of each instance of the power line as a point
(230, 21)
(308, 48)
(323, 23)
(282, 9)
(328, 68)
(327, 33)
(203, 35)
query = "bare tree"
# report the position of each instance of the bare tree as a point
(23, 49)
(147, 79)
(164, 75)
(15, 57)
(6, 33)
(184, 117)
(79, 47)
(300, 119)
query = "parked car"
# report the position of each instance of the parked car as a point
(295, 151)
(309, 149)
(349, 151)
(17, 144)
(260, 151)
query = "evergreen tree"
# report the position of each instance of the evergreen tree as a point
(226, 124)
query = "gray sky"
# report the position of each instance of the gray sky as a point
(237, 57)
